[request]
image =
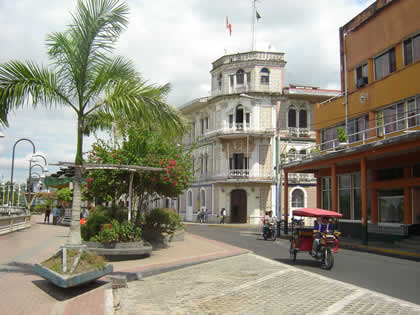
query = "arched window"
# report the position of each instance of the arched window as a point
(292, 118)
(219, 81)
(240, 74)
(292, 154)
(303, 119)
(298, 199)
(302, 153)
(239, 114)
(190, 198)
(265, 76)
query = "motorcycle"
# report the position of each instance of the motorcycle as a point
(302, 238)
(269, 231)
(327, 245)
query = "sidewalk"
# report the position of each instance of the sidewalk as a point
(374, 247)
(24, 292)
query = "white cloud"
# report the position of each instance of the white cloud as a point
(171, 41)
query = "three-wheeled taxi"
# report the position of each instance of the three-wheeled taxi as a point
(302, 238)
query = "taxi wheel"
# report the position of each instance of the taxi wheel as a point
(292, 253)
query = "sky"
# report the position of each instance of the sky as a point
(168, 41)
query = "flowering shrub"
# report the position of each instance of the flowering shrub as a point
(162, 220)
(142, 148)
(116, 232)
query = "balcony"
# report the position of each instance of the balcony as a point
(237, 128)
(298, 178)
(238, 174)
(383, 131)
(299, 132)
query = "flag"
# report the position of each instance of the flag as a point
(229, 26)
(258, 15)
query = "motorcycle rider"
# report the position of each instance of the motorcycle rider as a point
(321, 225)
(270, 220)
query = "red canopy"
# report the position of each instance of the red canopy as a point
(315, 212)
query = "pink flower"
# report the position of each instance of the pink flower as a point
(175, 182)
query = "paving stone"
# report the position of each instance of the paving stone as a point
(249, 284)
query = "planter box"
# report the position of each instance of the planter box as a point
(69, 281)
(116, 249)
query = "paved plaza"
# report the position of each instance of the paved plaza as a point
(250, 284)
(194, 276)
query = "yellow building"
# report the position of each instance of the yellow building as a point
(372, 174)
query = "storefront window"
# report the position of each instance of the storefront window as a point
(344, 195)
(391, 206)
(326, 193)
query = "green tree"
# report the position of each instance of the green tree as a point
(65, 194)
(143, 148)
(86, 77)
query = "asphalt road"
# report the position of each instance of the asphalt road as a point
(396, 277)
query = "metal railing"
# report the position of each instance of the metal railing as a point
(371, 135)
(298, 132)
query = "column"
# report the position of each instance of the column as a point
(408, 215)
(334, 188)
(374, 210)
(286, 201)
(363, 175)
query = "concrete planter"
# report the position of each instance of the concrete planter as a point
(119, 249)
(63, 281)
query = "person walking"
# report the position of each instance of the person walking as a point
(55, 215)
(222, 215)
(47, 215)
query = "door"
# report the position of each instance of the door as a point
(238, 206)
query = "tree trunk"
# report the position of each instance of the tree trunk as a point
(74, 237)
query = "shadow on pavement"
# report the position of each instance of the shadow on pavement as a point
(304, 262)
(18, 267)
(61, 294)
(113, 258)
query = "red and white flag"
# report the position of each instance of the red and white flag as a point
(229, 26)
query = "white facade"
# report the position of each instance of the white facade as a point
(236, 133)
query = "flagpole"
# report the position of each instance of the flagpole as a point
(253, 25)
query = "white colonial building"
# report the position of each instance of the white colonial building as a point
(241, 132)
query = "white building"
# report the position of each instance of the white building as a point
(237, 140)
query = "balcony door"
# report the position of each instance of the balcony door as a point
(238, 206)
(238, 165)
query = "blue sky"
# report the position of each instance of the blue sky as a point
(170, 41)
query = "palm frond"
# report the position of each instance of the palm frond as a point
(98, 120)
(26, 83)
(96, 26)
(116, 69)
(143, 104)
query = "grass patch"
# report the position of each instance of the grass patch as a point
(89, 261)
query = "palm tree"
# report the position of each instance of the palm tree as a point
(86, 77)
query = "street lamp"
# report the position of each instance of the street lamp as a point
(30, 165)
(13, 158)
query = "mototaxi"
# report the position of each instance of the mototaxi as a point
(302, 238)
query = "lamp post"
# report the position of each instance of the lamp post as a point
(30, 166)
(13, 158)
(44, 170)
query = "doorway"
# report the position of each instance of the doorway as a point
(238, 206)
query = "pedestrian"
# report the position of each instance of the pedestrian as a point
(55, 215)
(47, 215)
(222, 215)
